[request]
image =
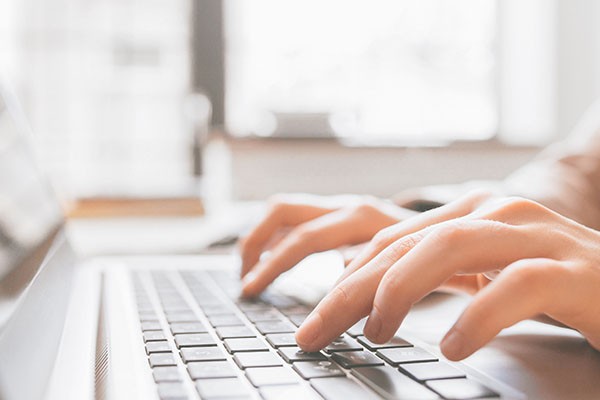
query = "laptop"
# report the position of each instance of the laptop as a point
(173, 327)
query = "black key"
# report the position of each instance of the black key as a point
(403, 355)
(461, 389)
(341, 388)
(225, 320)
(212, 369)
(271, 376)
(343, 343)
(317, 369)
(394, 342)
(171, 391)
(244, 344)
(263, 315)
(288, 392)
(182, 317)
(225, 332)
(275, 327)
(166, 374)
(357, 329)
(194, 340)
(161, 360)
(151, 326)
(257, 359)
(350, 359)
(293, 354)
(391, 384)
(281, 339)
(188, 327)
(298, 319)
(158, 347)
(221, 387)
(214, 353)
(153, 336)
(431, 370)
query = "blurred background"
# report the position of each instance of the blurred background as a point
(241, 99)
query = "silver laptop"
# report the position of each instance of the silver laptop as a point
(173, 327)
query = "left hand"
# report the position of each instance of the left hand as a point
(548, 264)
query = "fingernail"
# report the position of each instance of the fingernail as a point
(453, 345)
(373, 326)
(309, 330)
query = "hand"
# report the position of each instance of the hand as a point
(548, 265)
(298, 225)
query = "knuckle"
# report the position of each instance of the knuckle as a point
(383, 238)
(366, 206)
(340, 297)
(515, 204)
(452, 233)
(403, 246)
(304, 235)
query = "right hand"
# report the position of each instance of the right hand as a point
(298, 225)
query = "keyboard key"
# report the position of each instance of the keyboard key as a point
(214, 353)
(225, 320)
(153, 336)
(158, 347)
(166, 374)
(288, 392)
(341, 388)
(151, 326)
(253, 305)
(298, 319)
(343, 343)
(221, 388)
(263, 315)
(271, 376)
(161, 360)
(257, 359)
(216, 309)
(351, 359)
(357, 329)
(317, 369)
(403, 355)
(182, 317)
(281, 339)
(188, 327)
(295, 310)
(171, 391)
(194, 340)
(212, 369)
(244, 344)
(275, 327)
(431, 370)
(148, 316)
(394, 342)
(461, 389)
(225, 332)
(391, 384)
(293, 354)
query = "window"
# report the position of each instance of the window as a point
(407, 70)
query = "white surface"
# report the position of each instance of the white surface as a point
(95, 236)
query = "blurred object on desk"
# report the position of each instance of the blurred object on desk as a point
(102, 207)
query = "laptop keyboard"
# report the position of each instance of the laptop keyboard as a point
(202, 341)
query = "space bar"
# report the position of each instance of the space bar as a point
(392, 384)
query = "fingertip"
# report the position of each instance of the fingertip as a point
(455, 346)
(307, 335)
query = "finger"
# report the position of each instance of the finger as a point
(343, 227)
(279, 216)
(454, 247)
(348, 302)
(456, 209)
(520, 292)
